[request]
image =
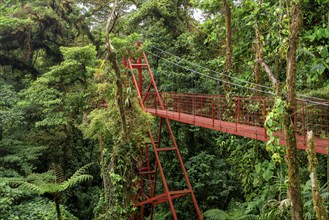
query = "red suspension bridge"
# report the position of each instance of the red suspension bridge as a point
(238, 115)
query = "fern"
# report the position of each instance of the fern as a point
(52, 182)
(247, 217)
(236, 214)
(58, 173)
(30, 187)
(216, 214)
(75, 181)
(11, 159)
(81, 171)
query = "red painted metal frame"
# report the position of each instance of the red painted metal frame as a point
(147, 196)
(247, 118)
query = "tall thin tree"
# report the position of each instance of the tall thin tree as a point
(294, 189)
(228, 36)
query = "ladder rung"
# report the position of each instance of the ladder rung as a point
(180, 192)
(173, 195)
(166, 149)
(137, 65)
(147, 172)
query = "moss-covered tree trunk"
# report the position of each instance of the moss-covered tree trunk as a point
(112, 57)
(104, 168)
(120, 172)
(320, 210)
(258, 47)
(294, 190)
(228, 36)
(228, 42)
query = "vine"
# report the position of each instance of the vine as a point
(273, 124)
(119, 150)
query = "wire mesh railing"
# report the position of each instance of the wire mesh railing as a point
(249, 111)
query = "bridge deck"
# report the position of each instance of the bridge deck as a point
(249, 131)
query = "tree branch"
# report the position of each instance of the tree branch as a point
(18, 64)
(107, 28)
(92, 11)
(78, 24)
(112, 57)
(268, 71)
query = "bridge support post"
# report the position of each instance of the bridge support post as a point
(264, 111)
(179, 107)
(213, 111)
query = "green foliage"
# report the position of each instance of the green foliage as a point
(316, 56)
(34, 209)
(50, 111)
(212, 182)
(55, 94)
(18, 155)
(236, 213)
(53, 182)
(274, 209)
(127, 45)
(216, 214)
(309, 212)
(118, 150)
(18, 204)
(273, 123)
(7, 24)
(10, 115)
(320, 93)
(83, 55)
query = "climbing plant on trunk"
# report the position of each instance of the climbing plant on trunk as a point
(290, 107)
(119, 128)
(294, 190)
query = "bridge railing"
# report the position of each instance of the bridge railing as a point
(249, 111)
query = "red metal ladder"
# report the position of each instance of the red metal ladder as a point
(144, 196)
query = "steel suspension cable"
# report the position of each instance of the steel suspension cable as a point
(205, 68)
(232, 77)
(231, 83)
(205, 75)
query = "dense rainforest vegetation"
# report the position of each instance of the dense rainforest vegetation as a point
(64, 156)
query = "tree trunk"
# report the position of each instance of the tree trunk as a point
(104, 170)
(120, 100)
(258, 47)
(112, 57)
(294, 190)
(120, 158)
(228, 36)
(228, 43)
(58, 210)
(1, 133)
(320, 210)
